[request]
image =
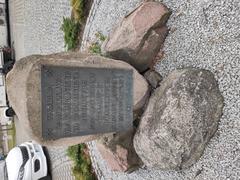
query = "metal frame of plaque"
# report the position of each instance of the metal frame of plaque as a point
(79, 101)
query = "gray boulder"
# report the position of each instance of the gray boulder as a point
(181, 117)
(139, 37)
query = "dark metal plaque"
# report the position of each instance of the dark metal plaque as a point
(80, 101)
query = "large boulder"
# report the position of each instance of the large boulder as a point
(181, 117)
(140, 35)
(118, 151)
(23, 89)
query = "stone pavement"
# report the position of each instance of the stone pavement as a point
(35, 26)
(17, 26)
(35, 29)
(61, 165)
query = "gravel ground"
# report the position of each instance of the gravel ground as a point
(204, 34)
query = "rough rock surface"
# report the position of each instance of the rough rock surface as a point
(153, 78)
(180, 119)
(23, 89)
(118, 151)
(138, 38)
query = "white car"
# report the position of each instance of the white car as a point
(27, 162)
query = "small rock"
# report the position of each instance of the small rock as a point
(24, 90)
(181, 117)
(118, 151)
(139, 37)
(153, 78)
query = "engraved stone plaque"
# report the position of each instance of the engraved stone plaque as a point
(80, 101)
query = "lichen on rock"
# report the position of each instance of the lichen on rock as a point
(180, 119)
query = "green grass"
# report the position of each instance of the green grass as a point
(95, 47)
(82, 169)
(71, 30)
(11, 133)
(100, 36)
(71, 25)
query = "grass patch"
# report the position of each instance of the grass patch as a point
(73, 27)
(95, 47)
(82, 169)
(100, 36)
(71, 30)
(11, 133)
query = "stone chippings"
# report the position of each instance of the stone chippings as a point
(203, 34)
(207, 36)
(61, 165)
(180, 119)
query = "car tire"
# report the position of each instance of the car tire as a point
(45, 150)
(10, 112)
